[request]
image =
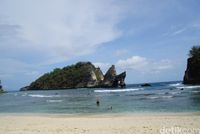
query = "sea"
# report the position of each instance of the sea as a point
(160, 97)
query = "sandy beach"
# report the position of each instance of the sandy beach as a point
(97, 124)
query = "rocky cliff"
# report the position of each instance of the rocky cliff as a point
(1, 88)
(1, 91)
(80, 75)
(192, 73)
(111, 79)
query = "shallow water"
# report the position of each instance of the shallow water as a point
(160, 97)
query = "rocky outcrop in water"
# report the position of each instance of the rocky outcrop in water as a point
(1, 91)
(80, 75)
(111, 79)
(1, 88)
(192, 73)
(146, 85)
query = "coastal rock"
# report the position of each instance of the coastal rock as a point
(24, 88)
(80, 75)
(146, 85)
(192, 73)
(99, 74)
(110, 76)
(1, 91)
(119, 80)
(1, 88)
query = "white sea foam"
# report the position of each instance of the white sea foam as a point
(43, 96)
(153, 97)
(169, 96)
(16, 94)
(176, 84)
(25, 94)
(118, 90)
(188, 87)
(158, 97)
(195, 91)
(54, 101)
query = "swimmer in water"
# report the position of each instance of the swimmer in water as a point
(98, 102)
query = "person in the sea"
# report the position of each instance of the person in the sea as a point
(98, 102)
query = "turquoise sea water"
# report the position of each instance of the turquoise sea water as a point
(160, 97)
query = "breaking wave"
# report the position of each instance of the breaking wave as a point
(188, 87)
(118, 90)
(54, 101)
(176, 84)
(160, 97)
(43, 96)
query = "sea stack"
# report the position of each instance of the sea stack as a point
(1, 88)
(192, 73)
(111, 79)
(80, 75)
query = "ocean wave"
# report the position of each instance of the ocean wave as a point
(169, 96)
(153, 97)
(118, 90)
(54, 101)
(188, 87)
(160, 97)
(25, 94)
(175, 93)
(195, 91)
(43, 96)
(176, 84)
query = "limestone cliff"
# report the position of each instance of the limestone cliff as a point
(192, 73)
(111, 79)
(80, 75)
(1, 88)
(110, 76)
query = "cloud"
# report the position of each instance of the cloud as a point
(139, 64)
(7, 30)
(57, 30)
(144, 65)
(121, 52)
(13, 68)
(179, 31)
(15, 74)
(184, 29)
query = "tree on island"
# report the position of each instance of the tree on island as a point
(195, 52)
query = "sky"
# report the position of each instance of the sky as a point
(149, 40)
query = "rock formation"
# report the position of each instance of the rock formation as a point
(119, 80)
(1, 88)
(146, 85)
(1, 91)
(110, 76)
(80, 75)
(111, 79)
(192, 73)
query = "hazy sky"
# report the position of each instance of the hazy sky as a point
(150, 39)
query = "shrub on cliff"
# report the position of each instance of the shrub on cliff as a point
(195, 52)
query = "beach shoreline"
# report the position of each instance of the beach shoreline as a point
(134, 123)
(120, 114)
